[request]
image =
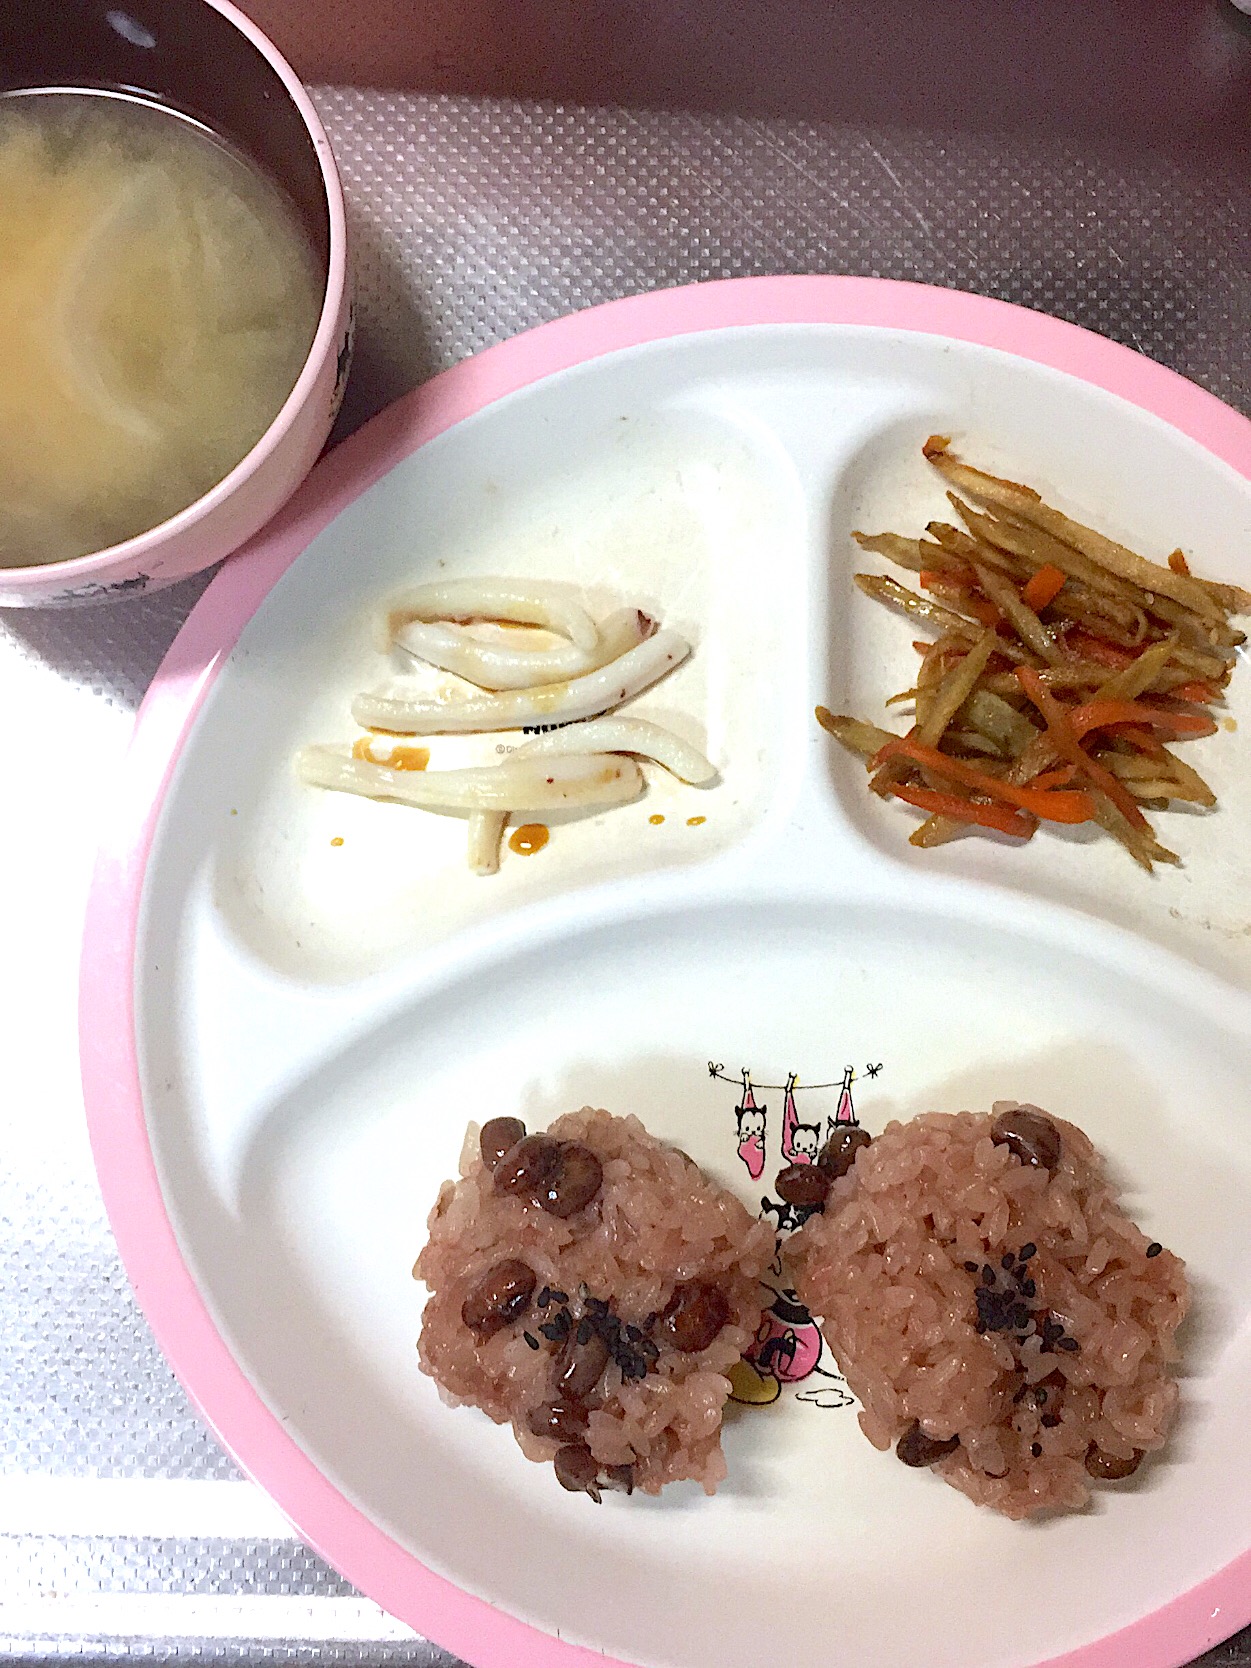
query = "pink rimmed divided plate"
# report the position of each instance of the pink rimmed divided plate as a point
(293, 1002)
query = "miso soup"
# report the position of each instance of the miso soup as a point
(158, 299)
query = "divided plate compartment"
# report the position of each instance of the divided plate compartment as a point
(317, 1023)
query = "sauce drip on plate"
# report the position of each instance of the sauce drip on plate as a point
(529, 838)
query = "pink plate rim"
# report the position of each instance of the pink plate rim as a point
(1179, 1630)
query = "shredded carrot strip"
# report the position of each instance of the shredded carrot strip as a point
(964, 596)
(983, 610)
(882, 777)
(1069, 747)
(1089, 647)
(1043, 587)
(1099, 715)
(954, 577)
(968, 810)
(1060, 777)
(1200, 693)
(1143, 740)
(1050, 805)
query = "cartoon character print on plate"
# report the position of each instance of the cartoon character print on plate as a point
(800, 1142)
(788, 1348)
(752, 1123)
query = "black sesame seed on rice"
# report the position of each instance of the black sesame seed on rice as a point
(532, 1341)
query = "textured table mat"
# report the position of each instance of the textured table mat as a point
(123, 1528)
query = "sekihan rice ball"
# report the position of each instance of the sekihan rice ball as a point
(592, 1287)
(997, 1314)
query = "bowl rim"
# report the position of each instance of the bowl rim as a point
(174, 527)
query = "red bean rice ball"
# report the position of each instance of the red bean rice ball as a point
(661, 1256)
(969, 1293)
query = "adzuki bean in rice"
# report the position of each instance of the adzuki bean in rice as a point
(1000, 1318)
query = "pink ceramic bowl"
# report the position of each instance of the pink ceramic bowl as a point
(206, 58)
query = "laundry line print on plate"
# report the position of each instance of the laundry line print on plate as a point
(788, 1347)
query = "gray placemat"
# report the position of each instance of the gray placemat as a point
(123, 1528)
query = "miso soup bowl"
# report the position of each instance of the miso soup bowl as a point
(206, 59)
